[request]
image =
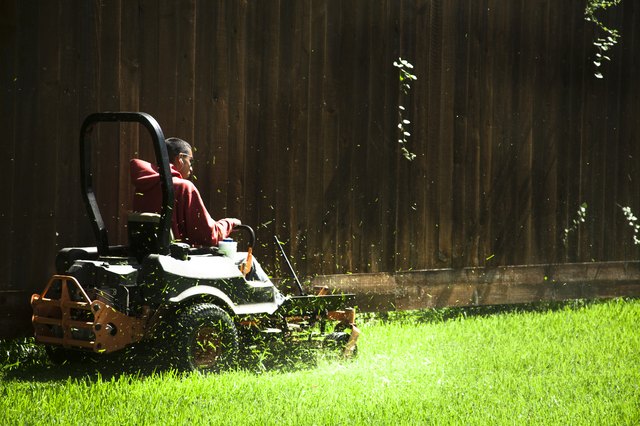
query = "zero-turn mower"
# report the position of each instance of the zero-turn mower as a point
(196, 304)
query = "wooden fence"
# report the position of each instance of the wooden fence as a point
(292, 107)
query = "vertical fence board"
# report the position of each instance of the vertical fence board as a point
(22, 235)
(630, 176)
(129, 101)
(10, 83)
(314, 177)
(207, 102)
(239, 73)
(68, 202)
(106, 147)
(150, 65)
(422, 214)
(299, 113)
(41, 224)
(287, 82)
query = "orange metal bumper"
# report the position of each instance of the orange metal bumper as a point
(65, 315)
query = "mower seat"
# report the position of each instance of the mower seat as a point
(142, 231)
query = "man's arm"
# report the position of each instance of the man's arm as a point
(194, 222)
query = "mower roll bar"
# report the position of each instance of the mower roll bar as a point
(86, 175)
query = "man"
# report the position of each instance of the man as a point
(191, 222)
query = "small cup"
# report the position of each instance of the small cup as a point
(228, 247)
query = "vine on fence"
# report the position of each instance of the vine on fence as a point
(405, 78)
(632, 220)
(581, 217)
(610, 37)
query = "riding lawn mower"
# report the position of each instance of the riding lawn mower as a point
(195, 303)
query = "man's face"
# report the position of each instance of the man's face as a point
(183, 164)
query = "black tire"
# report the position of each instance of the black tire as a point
(205, 339)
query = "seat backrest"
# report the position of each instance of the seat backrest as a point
(142, 230)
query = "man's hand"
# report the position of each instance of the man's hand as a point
(234, 222)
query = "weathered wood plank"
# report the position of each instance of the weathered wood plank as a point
(316, 138)
(70, 208)
(272, 40)
(487, 286)
(105, 148)
(239, 141)
(129, 101)
(446, 124)
(149, 59)
(9, 117)
(186, 20)
(299, 125)
(381, 146)
(167, 67)
(213, 123)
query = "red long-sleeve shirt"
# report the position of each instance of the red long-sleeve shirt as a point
(191, 221)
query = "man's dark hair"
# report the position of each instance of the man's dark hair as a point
(176, 146)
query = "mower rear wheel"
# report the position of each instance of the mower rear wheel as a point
(206, 339)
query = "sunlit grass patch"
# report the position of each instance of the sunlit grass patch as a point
(575, 365)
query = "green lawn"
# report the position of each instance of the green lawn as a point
(568, 366)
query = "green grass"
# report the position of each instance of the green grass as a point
(566, 366)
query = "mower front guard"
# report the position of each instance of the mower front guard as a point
(65, 315)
